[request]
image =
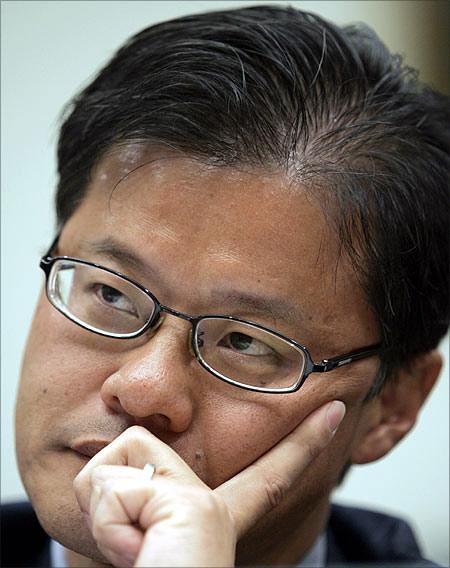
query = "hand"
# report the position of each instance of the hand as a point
(174, 519)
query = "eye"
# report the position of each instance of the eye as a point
(245, 344)
(115, 299)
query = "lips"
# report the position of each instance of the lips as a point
(89, 448)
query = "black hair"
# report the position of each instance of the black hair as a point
(278, 88)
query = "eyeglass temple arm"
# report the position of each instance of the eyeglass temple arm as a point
(330, 364)
(48, 254)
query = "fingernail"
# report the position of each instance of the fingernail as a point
(335, 415)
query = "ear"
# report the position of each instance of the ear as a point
(393, 413)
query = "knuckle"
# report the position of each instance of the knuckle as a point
(136, 432)
(135, 435)
(138, 439)
(110, 487)
(113, 492)
(100, 532)
(78, 482)
(275, 488)
(207, 504)
(97, 474)
(202, 498)
(311, 451)
(81, 490)
(207, 501)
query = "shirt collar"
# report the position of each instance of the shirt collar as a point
(316, 555)
(314, 558)
(57, 555)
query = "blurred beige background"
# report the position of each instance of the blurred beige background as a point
(49, 50)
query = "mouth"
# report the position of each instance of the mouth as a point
(89, 448)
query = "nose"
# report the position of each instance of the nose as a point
(154, 383)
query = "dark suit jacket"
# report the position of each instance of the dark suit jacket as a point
(355, 536)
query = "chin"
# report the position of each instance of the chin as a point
(64, 523)
(49, 488)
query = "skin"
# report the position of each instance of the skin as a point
(174, 519)
(205, 229)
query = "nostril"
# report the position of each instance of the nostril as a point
(114, 403)
(158, 422)
(150, 386)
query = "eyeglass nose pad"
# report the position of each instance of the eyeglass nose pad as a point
(190, 341)
(154, 329)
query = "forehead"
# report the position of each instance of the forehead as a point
(209, 228)
(242, 213)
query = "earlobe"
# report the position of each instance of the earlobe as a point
(393, 413)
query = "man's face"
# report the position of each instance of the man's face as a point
(207, 238)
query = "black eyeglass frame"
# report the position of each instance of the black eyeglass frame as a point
(325, 366)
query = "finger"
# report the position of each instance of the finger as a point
(88, 481)
(187, 526)
(126, 508)
(107, 473)
(125, 498)
(115, 518)
(262, 486)
(118, 559)
(135, 447)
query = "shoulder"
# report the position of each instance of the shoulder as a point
(24, 542)
(363, 536)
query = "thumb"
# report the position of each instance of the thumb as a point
(263, 485)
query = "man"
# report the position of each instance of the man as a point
(252, 240)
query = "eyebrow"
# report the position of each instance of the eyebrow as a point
(274, 306)
(114, 250)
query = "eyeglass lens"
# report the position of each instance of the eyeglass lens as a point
(107, 303)
(248, 354)
(98, 299)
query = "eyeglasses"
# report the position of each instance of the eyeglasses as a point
(241, 353)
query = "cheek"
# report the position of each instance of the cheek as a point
(60, 381)
(60, 373)
(240, 430)
(61, 355)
